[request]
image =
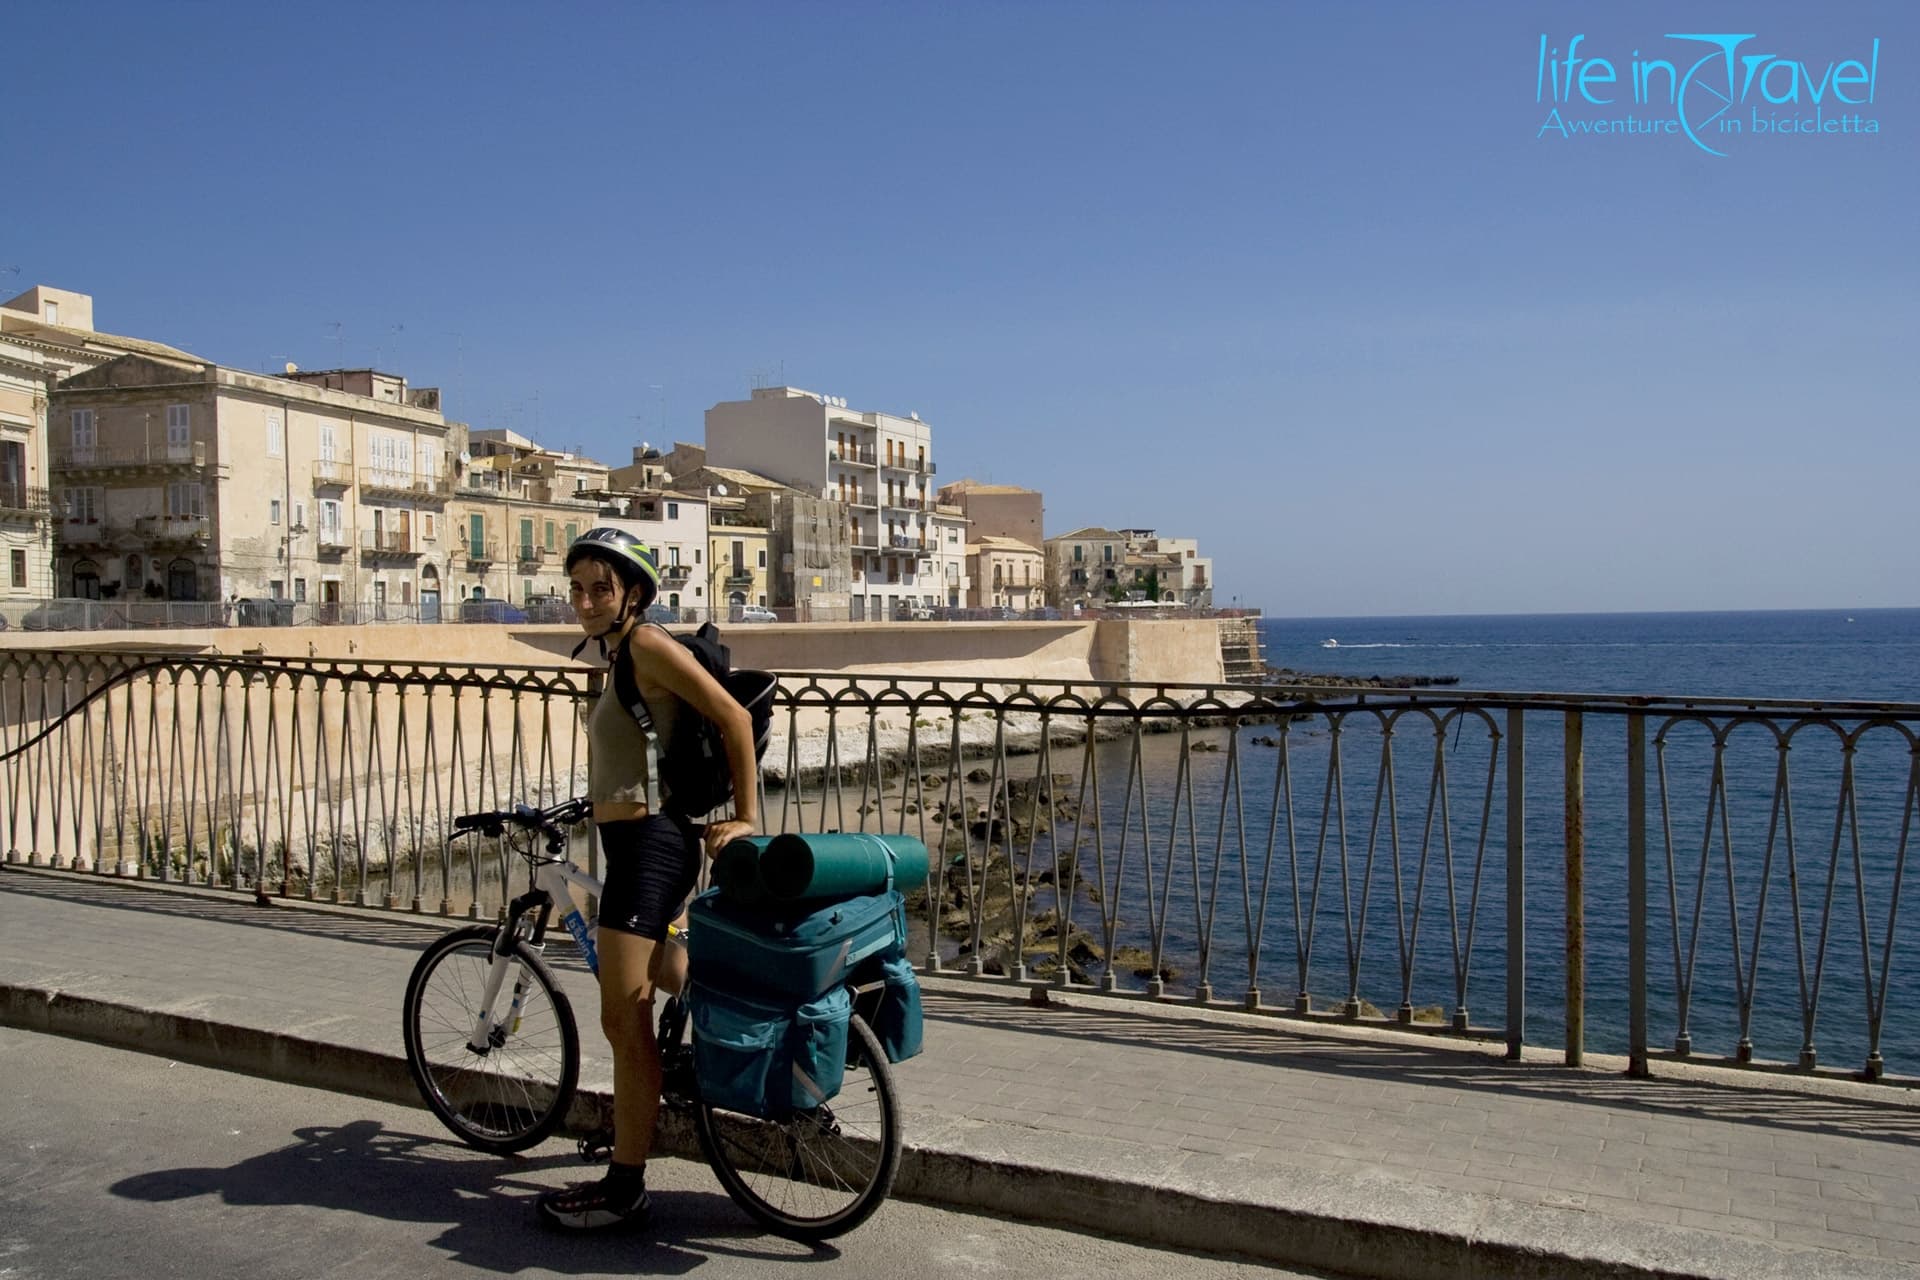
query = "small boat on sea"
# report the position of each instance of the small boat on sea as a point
(1329, 643)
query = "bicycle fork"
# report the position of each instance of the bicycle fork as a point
(489, 1034)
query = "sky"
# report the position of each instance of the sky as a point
(1307, 282)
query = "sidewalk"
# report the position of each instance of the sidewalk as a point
(1218, 1132)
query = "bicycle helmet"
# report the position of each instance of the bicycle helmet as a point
(630, 559)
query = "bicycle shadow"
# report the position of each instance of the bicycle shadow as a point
(486, 1203)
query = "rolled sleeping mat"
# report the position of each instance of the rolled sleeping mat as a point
(840, 864)
(736, 872)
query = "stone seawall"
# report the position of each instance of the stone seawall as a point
(1122, 650)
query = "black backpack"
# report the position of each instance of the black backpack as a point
(694, 775)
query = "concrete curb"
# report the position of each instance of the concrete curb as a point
(1360, 1226)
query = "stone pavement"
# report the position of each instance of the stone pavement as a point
(1363, 1153)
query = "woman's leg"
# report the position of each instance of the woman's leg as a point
(627, 961)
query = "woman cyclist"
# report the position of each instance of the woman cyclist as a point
(652, 859)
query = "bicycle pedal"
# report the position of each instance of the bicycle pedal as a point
(597, 1147)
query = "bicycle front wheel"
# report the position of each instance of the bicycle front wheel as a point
(819, 1173)
(512, 1091)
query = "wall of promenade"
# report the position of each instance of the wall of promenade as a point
(1119, 650)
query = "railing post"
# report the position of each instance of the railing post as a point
(1637, 895)
(1516, 881)
(1575, 815)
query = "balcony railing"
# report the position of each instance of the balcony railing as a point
(333, 473)
(191, 456)
(405, 484)
(675, 572)
(387, 542)
(739, 580)
(532, 554)
(482, 552)
(24, 500)
(859, 456)
(331, 541)
(173, 529)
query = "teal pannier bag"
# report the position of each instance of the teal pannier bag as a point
(794, 953)
(892, 1009)
(768, 1059)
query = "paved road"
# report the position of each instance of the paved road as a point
(205, 1173)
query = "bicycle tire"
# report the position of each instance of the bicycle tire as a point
(514, 1094)
(818, 1174)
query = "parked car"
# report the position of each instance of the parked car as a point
(261, 611)
(912, 611)
(662, 613)
(550, 609)
(753, 613)
(491, 611)
(71, 613)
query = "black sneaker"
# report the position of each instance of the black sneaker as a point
(597, 1206)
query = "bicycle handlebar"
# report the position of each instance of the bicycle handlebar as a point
(550, 822)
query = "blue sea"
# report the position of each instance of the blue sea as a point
(1723, 896)
(1871, 654)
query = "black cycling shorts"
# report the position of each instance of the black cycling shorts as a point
(652, 865)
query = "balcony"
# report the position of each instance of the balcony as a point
(387, 542)
(128, 459)
(331, 542)
(922, 466)
(91, 534)
(333, 473)
(179, 531)
(903, 504)
(737, 580)
(675, 574)
(404, 484)
(531, 555)
(858, 456)
(19, 501)
(482, 553)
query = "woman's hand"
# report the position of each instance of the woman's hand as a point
(722, 834)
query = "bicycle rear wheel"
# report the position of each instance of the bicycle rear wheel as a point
(513, 1092)
(818, 1173)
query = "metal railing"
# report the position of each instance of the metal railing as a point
(1664, 878)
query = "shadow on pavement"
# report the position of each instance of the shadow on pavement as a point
(488, 1208)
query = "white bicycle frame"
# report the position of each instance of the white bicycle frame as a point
(555, 878)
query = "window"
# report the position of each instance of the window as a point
(83, 505)
(330, 517)
(551, 533)
(573, 531)
(179, 430)
(326, 442)
(185, 498)
(53, 313)
(83, 435)
(1106, 555)
(300, 590)
(476, 534)
(526, 588)
(276, 589)
(739, 556)
(673, 511)
(696, 555)
(763, 563)
(429, 528)
(273, 511)
(526, 539)
(1077, 556)
(276, 438)
(19, 558)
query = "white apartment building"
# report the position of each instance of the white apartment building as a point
(675, 525)
(879, 467)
